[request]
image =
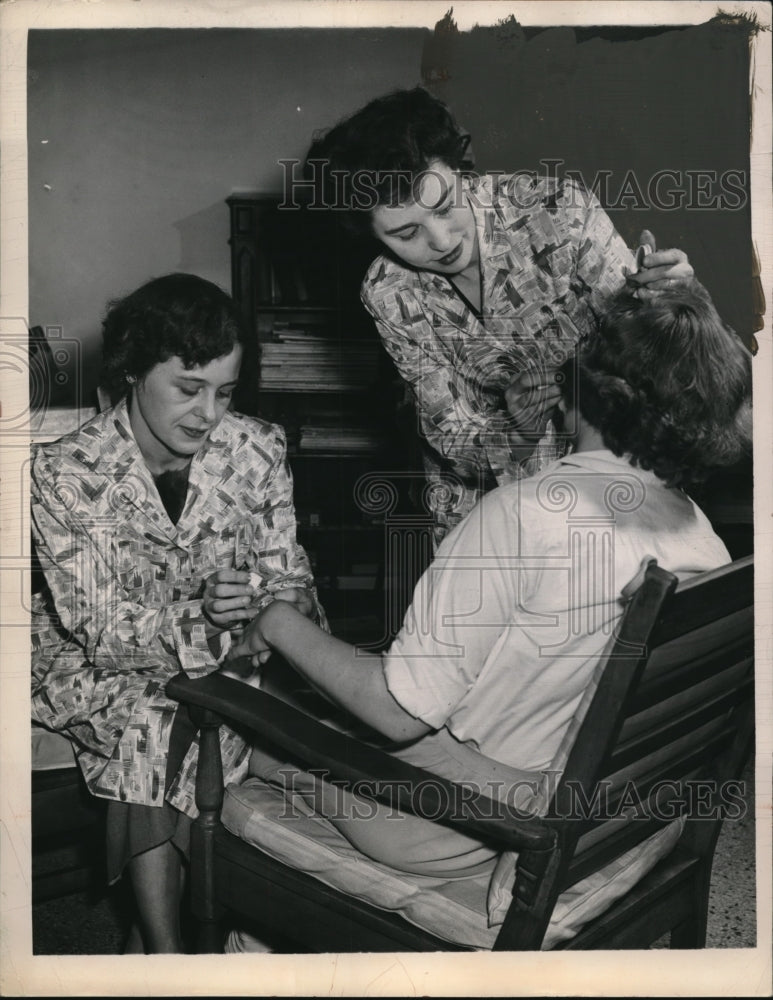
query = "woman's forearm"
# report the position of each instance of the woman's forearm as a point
(343, 673)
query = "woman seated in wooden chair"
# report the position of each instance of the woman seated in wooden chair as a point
(508, 622)
(134, 515)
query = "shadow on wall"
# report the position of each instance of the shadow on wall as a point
(196, 233)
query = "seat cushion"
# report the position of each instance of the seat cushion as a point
(259, 814)
(590, 897)
(457, 909)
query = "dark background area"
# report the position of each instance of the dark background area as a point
(621, 106)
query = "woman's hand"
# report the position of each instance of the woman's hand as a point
(251, 644)
(226, 599)
(300, 598)
(659, 269)
(530, 399)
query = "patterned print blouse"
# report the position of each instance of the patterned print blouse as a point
(122, 612)
(550, 256)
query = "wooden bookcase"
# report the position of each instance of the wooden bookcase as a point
(327, 380)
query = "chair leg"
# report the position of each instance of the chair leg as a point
(209, 936)
(209, 800)
(209, 940)
(691, 933)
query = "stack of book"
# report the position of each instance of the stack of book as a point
(339, 439)
(363, 576)
(302, 361)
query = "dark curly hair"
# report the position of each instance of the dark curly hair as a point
(177, 315)
(377, 155)
(668, 384)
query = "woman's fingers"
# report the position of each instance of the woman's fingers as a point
(658, 257)
(653, 287)
(681, 269)
(239, 649)
(249, 644)
(231, 605)
(228, 584)
(221, 591)
(647, 240)
(290, 594)
(230, 610)
(530, 399)
(535, 378)
(299, 597)
(221, 576)
(659, 269)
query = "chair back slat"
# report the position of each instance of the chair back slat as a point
(671, 701)
(671, 763)
(663, 718)
(661, 805)
(690, 658)
(648, 801)
(635, 785)
(670, 720)
(614, 838)
(701, 599)
(628, 812)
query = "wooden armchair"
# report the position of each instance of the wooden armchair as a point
(666, 729)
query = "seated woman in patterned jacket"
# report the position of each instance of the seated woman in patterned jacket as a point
(162, 526)
(485, 284)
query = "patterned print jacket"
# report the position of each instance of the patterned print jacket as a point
(550, 257)
(122, 611)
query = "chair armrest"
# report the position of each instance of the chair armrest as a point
(350, 762)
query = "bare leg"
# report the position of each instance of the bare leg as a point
(157, 879)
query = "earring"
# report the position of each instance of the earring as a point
(131, 379)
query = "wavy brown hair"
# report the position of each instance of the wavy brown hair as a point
(176, 315)
(668, 384)
(378, 155)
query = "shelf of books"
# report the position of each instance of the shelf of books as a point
(326, 379)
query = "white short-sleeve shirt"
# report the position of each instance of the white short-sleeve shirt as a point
(508, 622)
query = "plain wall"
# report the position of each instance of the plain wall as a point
(136, 137)
(660, 119)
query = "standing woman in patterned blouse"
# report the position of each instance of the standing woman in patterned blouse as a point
(162, 526)
(485, 286)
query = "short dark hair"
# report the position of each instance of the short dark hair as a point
(390, 143)
(667, 383)
(176, 315)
